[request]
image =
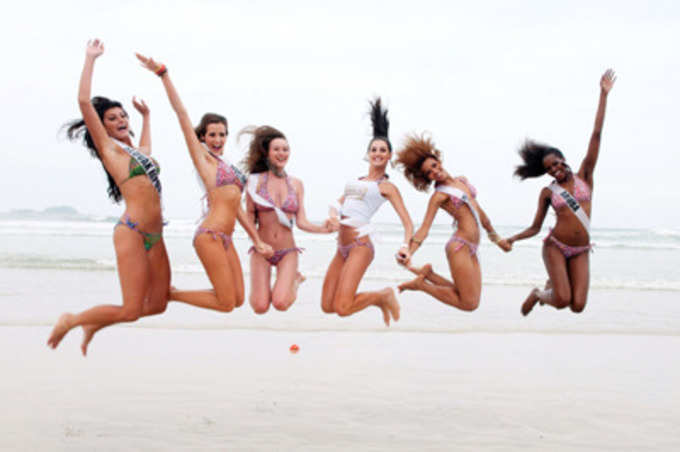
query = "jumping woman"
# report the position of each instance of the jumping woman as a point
(566, 248)
(360, 201)
(422, 165)
(223, 184)
(142, 261)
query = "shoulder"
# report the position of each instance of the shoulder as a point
(387, 187)
(296, 183)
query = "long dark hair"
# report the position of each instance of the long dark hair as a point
(77, 130)
(532, 154)
(380, 123)
(206, 120)
(256, 159)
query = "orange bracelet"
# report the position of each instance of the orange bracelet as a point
(161, 70)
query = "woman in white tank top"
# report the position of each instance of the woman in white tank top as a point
(360, 201)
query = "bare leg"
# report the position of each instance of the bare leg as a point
(579, 276)
(135, 278)
(330, 283)
(260, 280)
(287, 281)
(430, 275)
(157, 300)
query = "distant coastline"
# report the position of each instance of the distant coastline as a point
(55, 213)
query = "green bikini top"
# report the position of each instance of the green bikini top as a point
(136, 169)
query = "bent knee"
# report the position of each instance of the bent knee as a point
(343, 306)
(561, 299)
(281, 303)
(469, 305)
(578, 306)
(327, 308)
(130, 315)
(260, 306)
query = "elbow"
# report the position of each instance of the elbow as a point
(83, 101)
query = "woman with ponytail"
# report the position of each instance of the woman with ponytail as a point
(566, 248)
(223, 183)
(275, 203)
(422, 165)
(141, 258)
(353, 212)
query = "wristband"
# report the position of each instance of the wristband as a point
(161, 70)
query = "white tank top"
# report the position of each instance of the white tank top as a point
(362, 200)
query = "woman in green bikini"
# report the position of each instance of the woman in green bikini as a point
(142, 260)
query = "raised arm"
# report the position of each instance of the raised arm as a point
(541, 211)
(196, 150)
(145, 138)
(94, 125)
(391, 192)
(301, 217)
(588, 164)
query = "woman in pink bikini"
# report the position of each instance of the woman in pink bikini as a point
(422, 165)
(360, 201)
(141, 258)
(565, 249)
(223, 184)
(275, 203)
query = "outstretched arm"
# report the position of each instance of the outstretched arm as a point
(301, 217)
(588, 164)
(490, 231)
(392, 193)
(535, 228)
(94, 125)
(195, 149)
(436, 200)
(145, 138)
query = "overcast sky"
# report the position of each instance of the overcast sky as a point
(480, 76)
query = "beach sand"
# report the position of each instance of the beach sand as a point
(148, 388)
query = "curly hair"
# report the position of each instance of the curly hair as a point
(532, 154)
(77, 130)
(380, 123)
(411, 156)
(256, 159)
(206, 120)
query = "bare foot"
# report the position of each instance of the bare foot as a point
(391, 303)
(60, 329)
(414, 284)
(300, 278)
(385, 313)
(530, 302)
(425, 270)
(88, 334)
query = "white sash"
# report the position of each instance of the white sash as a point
(257, 199)
(145, 162)
(573, 204)
(460, 194)
(361, 227)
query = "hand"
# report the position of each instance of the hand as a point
(149, 63)
(140, 106)
(403, 256)
(94, 48)
(264, 249)
(505, 245)
(331, 225)
(607, 81)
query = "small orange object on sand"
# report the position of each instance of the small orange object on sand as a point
(294, 348)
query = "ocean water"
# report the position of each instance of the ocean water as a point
(47, 267)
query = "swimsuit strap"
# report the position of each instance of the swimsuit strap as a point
(460, 194)
(267, 203)
(572, 203)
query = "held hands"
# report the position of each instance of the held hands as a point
(505, 245)
(264, 249)
(94, 48)
(403, 256)
(331, 224)
(607, 81)
(140, 106)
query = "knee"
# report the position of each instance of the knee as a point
(578, 305)
(260, 306)
(469, 305)
(280, 303)
(158, 308)
(327, 308)
(239, 299)
(561, 298)
(225, 305)
(130, 314)
(342, 306)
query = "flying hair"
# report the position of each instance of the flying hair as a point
(412, 155)
(532, 154)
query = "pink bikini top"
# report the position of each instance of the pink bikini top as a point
(228, 174)
(290, 204)
(456, 201)
(581, 194)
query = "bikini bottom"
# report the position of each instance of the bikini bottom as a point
(149, 238)
(568, 250)
(460, 242)
(226, 239)
(278, 254)
(345, 249)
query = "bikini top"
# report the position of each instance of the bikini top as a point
(290, 204)
(581, 194)
(362, 199)
(456, 200)
(228, 174)
(141, 164)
